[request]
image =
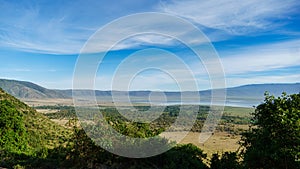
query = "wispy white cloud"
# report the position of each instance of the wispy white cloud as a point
(34, 28)
(30, 29)
(233, 16)
(256, 58)
(238, 81)
(62, 27)
(62, 34)
(135, 41)
(144, 29)
(219, 19)
(263, 58)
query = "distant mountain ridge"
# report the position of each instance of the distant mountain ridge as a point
(255, 90)
(251, 90)
(24, 89)
(251, 94)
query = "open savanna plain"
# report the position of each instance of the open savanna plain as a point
(226, 136)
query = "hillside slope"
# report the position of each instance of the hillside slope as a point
(23, 89)
(41, 131)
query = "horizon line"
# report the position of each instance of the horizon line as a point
(146, 90)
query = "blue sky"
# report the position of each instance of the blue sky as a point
(257, 41)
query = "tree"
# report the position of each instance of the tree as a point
(273, 140)
(184, 156)
(13, 134)
(228, 160)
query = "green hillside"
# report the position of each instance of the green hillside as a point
(25, 132)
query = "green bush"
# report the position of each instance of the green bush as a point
(13, 134)
(274, 139)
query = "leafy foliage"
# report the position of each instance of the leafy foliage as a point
(274, 139)
(227, 161)
(25, 135)
(64, 112)
(85, 154)
(13, 134)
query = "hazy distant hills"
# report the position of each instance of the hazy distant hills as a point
(247, 95)
(248, 91)
(257, 90)
(23, 89)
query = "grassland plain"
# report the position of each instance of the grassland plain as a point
(226, 137)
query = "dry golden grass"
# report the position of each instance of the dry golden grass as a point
(69, 102)
(219, 142)
(48, 102)
(45, 111)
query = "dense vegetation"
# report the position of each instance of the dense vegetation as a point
(14, 137)
(273, 141)
(30, 140)
(26, 135)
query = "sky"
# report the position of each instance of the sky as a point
(256, 42)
